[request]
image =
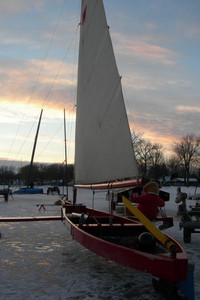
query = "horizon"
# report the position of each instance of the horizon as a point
(156, 46)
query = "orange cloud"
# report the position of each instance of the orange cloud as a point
(55, 85)
(144, 50)
(186, 109)
(153, 52)
(150, 133)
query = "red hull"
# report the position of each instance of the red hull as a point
(111, 185)
(162, 265)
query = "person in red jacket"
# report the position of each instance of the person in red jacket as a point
(149, 201)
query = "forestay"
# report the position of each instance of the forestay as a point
(104, 151)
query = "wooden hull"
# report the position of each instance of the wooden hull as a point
(117, 241)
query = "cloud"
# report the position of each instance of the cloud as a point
(155, 81)
(153, 53)
(23, 82)
(134, 46)
(19, 6)
(186, 109)
(160, 85)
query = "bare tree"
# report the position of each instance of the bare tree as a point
(173, 165)
(146, 153)
(187, 150)
(157, 161)
(157, 154)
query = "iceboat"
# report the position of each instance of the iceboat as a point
(30, 189)
(104, 159)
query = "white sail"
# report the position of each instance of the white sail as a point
(104, 151)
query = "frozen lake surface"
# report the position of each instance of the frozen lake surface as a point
(39, 260)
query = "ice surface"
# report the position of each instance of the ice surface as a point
(39, 260)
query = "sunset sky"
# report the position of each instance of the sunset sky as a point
(157, 48)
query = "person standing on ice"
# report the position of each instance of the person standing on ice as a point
(149, 201)
(181, 201)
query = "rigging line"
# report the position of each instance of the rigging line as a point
(57, 74)
(50, 140)
(69, 130)
(61, 64)
(35, 83)
(74, 37)
(53, 136)
(26, 138)
(131, 113)
(72, 96)
(73, 91)
(111, 100)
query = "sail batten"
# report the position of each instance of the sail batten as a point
(104, 151)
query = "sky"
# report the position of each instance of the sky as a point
(156, 44)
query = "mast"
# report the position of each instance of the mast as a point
(33, 152)
(65, 161)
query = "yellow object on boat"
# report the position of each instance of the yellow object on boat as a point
(160, 236)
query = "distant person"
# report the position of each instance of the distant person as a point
(181, 201)
(149, 201)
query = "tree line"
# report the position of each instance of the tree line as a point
(185, 161)
(42, 174)
(152, 164)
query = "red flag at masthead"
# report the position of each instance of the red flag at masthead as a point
(84, 15)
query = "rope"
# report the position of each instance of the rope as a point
(35, 84)
(93, 193)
